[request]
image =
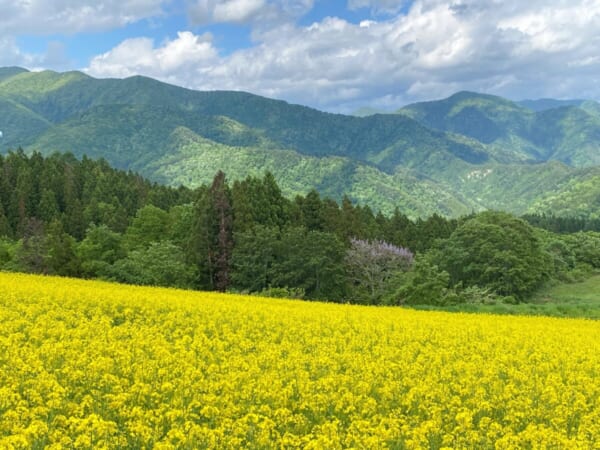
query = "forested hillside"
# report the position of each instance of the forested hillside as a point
(63, 216)
(466, 153)
(532, 131)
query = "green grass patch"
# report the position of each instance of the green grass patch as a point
(581, 299)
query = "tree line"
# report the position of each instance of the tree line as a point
(63, 216)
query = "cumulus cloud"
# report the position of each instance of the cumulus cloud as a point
(512, 48)
(71, 16)
(176, 61)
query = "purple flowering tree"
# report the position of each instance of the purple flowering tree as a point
(372, 265)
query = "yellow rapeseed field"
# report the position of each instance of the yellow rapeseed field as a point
(98, 365)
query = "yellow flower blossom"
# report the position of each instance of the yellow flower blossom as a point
(87, 364)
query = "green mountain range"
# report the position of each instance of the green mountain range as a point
(570, 134)
(468, 152)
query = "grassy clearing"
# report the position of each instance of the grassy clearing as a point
(580, 299)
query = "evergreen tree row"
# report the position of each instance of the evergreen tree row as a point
(76, 193)
(560, 224)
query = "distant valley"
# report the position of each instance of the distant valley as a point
(465, 153)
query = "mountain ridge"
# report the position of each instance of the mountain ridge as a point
(417, 160)
(567, 133)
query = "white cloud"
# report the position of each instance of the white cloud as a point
(534, 49)
(176, 61)
(555, 28)
(237, 11)
(258, 12)
(44, 17)
(71, 16)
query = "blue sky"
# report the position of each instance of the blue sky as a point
(335, 55)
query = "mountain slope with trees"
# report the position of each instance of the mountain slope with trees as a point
(466, 153)
(551, 130)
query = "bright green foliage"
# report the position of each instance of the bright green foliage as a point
(496, 250)
(425, 284)
(101, 248)
(563, 257)
(574, 256)
(585, 247)
(578, 196)
(7, 252)
(160, 264)
(151, 224)
(181, 221)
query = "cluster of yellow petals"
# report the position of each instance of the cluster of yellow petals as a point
(88, 364)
